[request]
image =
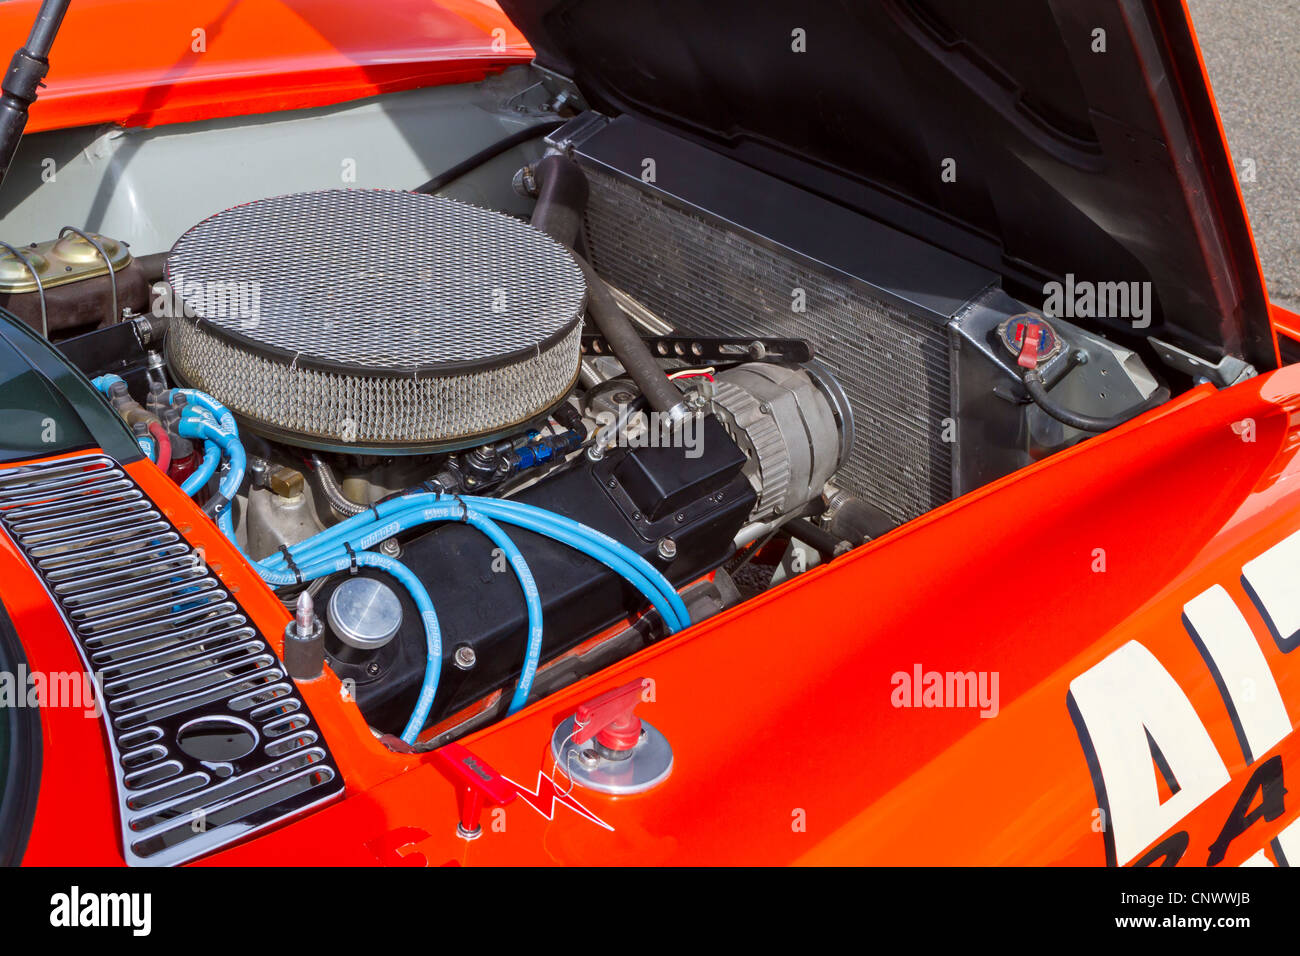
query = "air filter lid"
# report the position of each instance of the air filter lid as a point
(366, 319)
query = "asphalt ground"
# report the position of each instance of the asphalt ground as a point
(1252, 53)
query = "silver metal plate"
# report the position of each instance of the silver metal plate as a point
(651, 762)
(210, 741)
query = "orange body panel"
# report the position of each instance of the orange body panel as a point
(788, 744)
(150, 62)
(1287, 323)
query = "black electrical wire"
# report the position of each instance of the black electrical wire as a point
(1038, 392)
(517, 138)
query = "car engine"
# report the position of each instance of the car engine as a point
(733, 391)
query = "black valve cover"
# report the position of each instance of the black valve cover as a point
(701, 502)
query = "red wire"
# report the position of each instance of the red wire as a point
(164, 446)
(708, 375)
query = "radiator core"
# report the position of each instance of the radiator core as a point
(708, 277)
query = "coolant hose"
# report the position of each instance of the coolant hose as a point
(1038, 392)
(562, 191)
(562, 197)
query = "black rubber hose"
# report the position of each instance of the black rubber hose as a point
(1038, 392)
(561, 198)
(517, 138)
(825, 543)
(571, 418)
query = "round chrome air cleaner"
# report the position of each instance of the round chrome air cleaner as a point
(375, 320)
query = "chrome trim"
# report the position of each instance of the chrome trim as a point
(167, 644)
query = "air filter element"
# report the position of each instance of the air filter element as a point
(375, 320)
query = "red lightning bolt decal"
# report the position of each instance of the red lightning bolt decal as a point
(547, 796)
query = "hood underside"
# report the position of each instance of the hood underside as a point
(1078, 136)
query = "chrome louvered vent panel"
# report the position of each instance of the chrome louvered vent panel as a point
(710, 279)
(185, 682)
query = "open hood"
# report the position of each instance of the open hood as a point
(1082, 135)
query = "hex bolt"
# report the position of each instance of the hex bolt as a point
(465, 657)
(390, 547)
(667, 548)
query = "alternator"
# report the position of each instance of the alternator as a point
(795, 428)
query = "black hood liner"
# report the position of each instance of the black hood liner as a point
(1108, 166)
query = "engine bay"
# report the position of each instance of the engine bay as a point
(675, 391)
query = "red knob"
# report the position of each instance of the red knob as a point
(477, 783)
(1031, 339)
(610, 718)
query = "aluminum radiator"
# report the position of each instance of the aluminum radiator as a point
(709, 246)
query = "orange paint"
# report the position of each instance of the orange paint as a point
(151, 62)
